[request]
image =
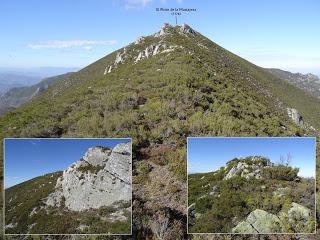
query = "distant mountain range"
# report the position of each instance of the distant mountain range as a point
(18, 95)
(21, 77)
(308, 82)
(11, 80)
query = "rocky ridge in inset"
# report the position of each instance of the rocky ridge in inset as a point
(246, 170)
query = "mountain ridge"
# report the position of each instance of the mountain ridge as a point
(198, 90)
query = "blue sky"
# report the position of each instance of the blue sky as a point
(273, 33)
(209, 154)
(29, 158)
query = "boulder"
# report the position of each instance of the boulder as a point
(253, 169)
(298, 212)
(259, 221)
(139, 40)
(244, 227)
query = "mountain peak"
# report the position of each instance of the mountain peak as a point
(166, 29)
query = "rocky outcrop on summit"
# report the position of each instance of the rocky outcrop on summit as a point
(101, 178)
(164, 30)
(134, 53)
(249, 167)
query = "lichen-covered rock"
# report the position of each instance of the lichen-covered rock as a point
(101, 178)
(298, 212)
(244, 227)
(299, 218)
(259, 221)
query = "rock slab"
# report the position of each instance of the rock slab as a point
(100, 178)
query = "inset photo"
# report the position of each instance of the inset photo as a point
(251, 185)
(68, 186)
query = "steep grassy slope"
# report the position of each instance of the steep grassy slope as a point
(23, 197)
(198, 89)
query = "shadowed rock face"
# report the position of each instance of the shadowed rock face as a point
(101, 178)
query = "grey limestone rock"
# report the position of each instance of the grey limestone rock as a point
(295, 116)
(163, 31)
(101, 178)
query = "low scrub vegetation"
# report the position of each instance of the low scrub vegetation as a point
(216, 205)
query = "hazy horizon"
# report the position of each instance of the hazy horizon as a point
(268, 34)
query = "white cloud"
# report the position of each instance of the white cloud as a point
(166, 1)
(136, 3)
(87, 44)
(88, 48)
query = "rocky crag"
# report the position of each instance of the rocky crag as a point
(101, 178)
(93, 195)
